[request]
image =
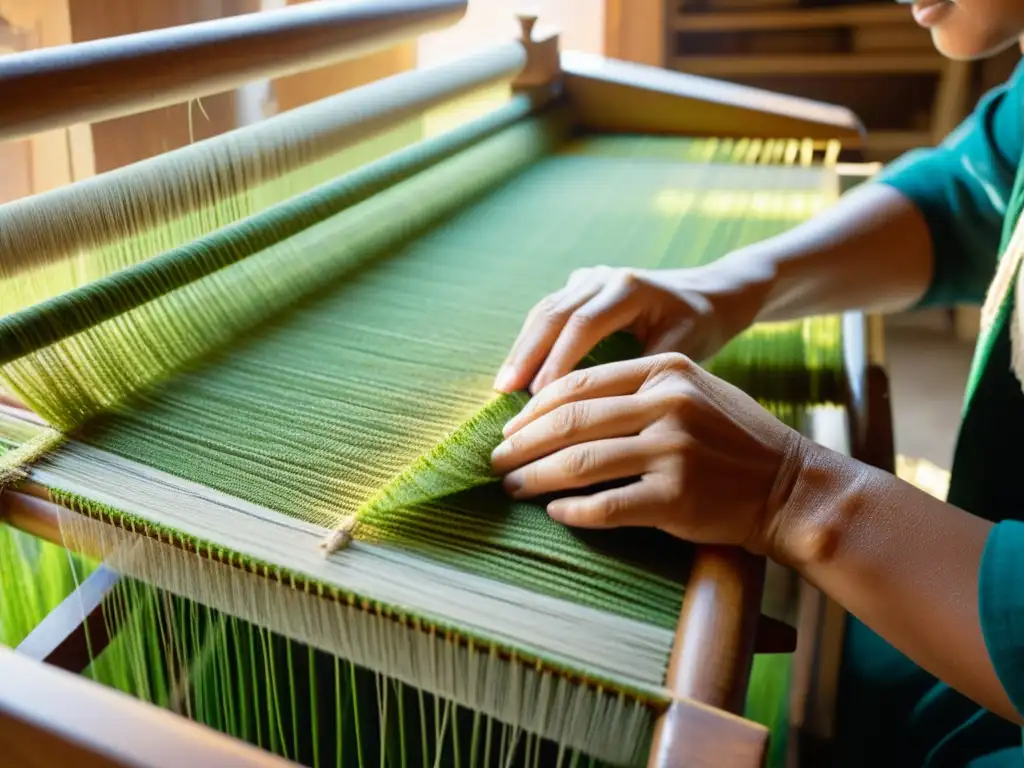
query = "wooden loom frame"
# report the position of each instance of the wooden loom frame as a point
(720, 626)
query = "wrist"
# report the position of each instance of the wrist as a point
(754, 277)
(816, 496)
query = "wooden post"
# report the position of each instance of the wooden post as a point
(712, 655)
(636, 31)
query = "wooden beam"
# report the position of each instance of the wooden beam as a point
(78, 629)
(49, 717)
(835, 64)
(33, 514)
(103, 79)
(791, 18)
(635, 30)
(620, 97)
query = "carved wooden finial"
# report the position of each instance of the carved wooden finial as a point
(542, 68)
(527, 21)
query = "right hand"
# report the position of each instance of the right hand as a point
(692, 311)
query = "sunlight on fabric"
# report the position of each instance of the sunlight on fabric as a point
(761, 204)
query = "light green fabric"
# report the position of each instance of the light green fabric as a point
(310, 369)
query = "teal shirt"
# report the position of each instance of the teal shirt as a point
(892, 712)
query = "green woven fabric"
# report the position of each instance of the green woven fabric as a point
(315, 411)
(334, 355)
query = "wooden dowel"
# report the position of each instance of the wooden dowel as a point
(29, 509)
(717, 628)
(112, 77)
(78, 629)
(45, 228)
(49, 717)
(714, 645)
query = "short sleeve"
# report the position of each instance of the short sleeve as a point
(963, 188)
(1001, 605)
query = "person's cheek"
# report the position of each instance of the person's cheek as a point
(977, 28)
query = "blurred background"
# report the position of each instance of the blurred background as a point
(866, 55)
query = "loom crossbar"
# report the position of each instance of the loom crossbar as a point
(77, 629)
(118, 76)
(51, 717)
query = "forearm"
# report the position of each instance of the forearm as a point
(871, 251)
(903, 562)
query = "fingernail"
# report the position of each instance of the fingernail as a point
(511, 425)
(556, 511)
(513, 485)
(506, 379)
(500, 452)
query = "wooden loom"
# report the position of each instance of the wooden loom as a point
(50, 717)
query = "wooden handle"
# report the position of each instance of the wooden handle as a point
(103, 79)
(717, 628)
(713, 652)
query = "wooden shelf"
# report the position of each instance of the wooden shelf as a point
(897, 142)
(811, 64)
(798, 18)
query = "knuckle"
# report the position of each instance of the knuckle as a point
(550, 307)
(681, 403)
(578, 462)
(611, 509)
(582, 272)
(677, 363)
(582, 318)
(682, 446)
(627, 277)
(576, 383)
(568, 420)
(515, 444)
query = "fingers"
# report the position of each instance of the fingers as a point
(579, 466)
(636, 504)
(575, 423)
(614, 308)
(678, 338)
(542, 327)
(609, 380)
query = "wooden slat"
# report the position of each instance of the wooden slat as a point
(112, 77)
(618, 96)
(77, 630)
(836, 64)
(795, 18)
(49, 717)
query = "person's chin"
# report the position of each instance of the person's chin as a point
(954, 44)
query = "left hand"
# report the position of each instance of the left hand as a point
(711, 465)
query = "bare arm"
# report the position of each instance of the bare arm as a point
(870, 251)
(903, 562)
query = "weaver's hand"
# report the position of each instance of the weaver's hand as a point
(706, 462)
(693, 311)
